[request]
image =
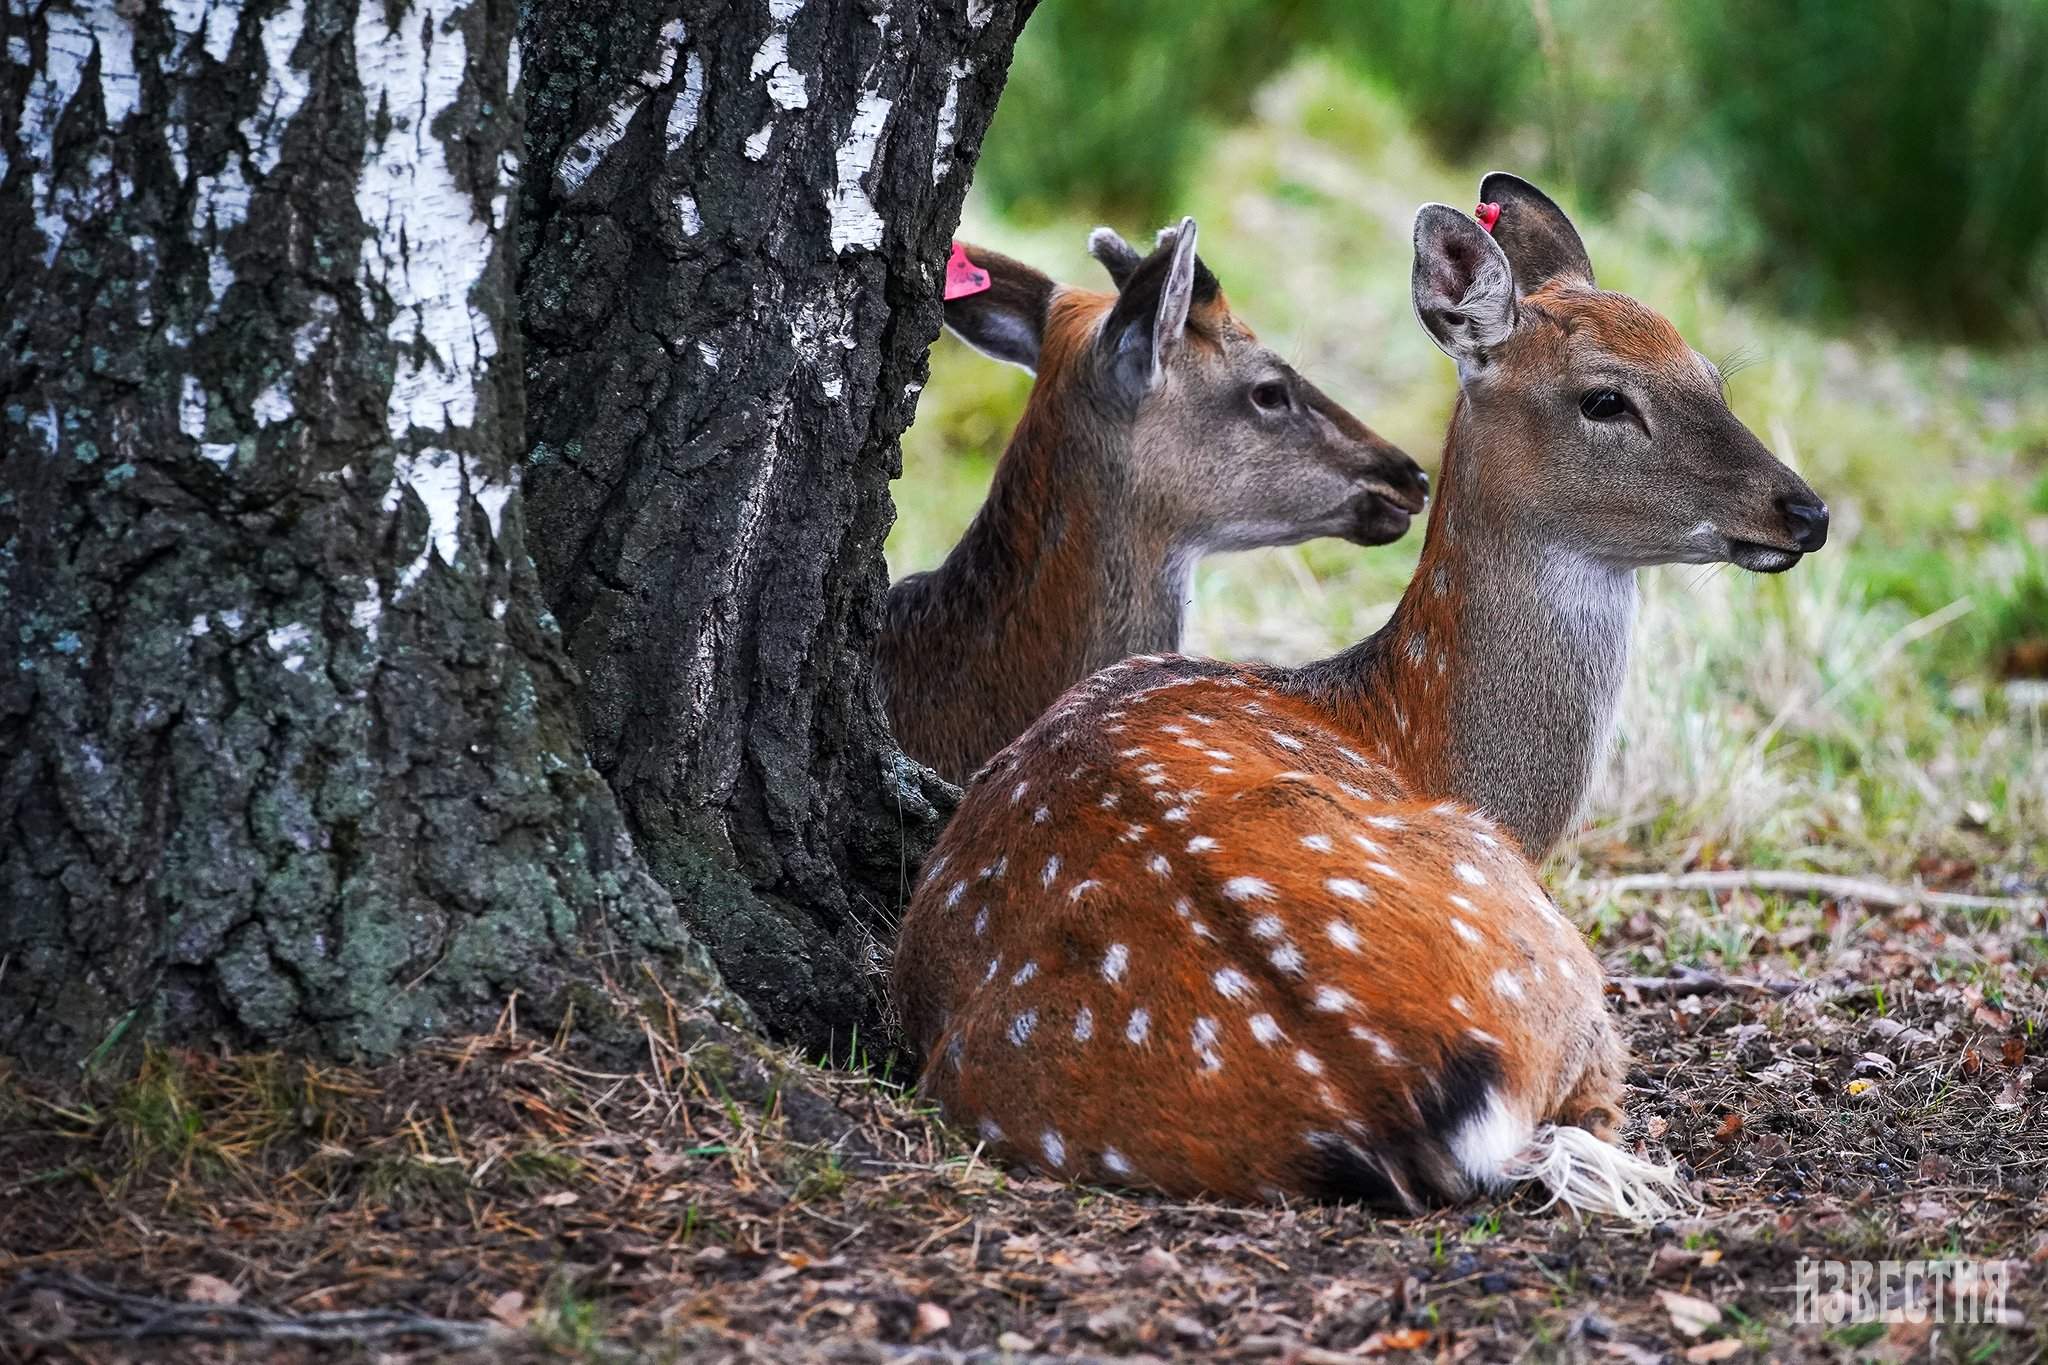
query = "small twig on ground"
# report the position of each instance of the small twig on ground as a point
(1812, 883)
(1692, 981)
(139, 1317)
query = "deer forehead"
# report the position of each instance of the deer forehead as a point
(1601, 326)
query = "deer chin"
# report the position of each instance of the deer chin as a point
(1760, 558)
(1379, 518)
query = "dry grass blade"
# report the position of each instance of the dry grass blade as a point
(140, 1317)
(1810, 884)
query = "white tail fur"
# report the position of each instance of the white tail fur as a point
(1588, 1175)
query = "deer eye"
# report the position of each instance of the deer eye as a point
(1603, 405)
(1270, 395)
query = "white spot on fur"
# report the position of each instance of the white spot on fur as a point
(1139, 1025)
(1116, 1161)
(1465, 931)
(1232, 984)
(1114, 962)
(1084, 1025)
(1203, 1039)
(1285, 741)
(1343, 935)
(1330, 1000)
(1054, 1147)
(1052, 870)
(1202, 843)
(1379, 1044)
(1265, 1030)
(1021, 1026)
(1286, 958)
(1309, 1062)
(1319, 842)
(1348, 889)
(1024, 973)
(1506, 985)
(1469, 874)
(991, 1131)
(1248, 888)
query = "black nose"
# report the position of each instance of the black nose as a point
(1807, 521)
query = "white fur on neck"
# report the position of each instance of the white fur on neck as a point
(1594, 603)
(1593, 600)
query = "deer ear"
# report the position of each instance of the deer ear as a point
(1463, 288)
(1007, 319)
(1117, 256)
(1538, 240)
(1149, 323)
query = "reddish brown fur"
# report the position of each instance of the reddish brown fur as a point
(1098, 507)
(1354, 982)
(1117, 781)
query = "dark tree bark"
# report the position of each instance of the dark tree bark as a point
(730, 253)
(288, 745)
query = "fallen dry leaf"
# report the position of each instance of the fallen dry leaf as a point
(510, 1308)
(931, 1320)
(1689, 1315)
(1672, 1262)
(1859, 1087)
(2012, 1051)
(559, 1199)
(1708, 1351)
(1406, 1339)
(1730, 1129)
(1973, 1061)
(211, 1289)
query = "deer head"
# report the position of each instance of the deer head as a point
(1585, 412)
(1221, 443)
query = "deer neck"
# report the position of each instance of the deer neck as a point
(1497, 679)
(1061, 572)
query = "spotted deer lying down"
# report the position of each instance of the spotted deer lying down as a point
(1258, 932)
(1159, 430)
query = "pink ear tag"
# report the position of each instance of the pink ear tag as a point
(1488, 215)
(964, 277)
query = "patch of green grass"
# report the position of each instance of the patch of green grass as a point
(1849, 716)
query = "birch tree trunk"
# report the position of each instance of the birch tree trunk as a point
(734, 227)
(288, 744)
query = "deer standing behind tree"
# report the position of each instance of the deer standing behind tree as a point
(1159, 430)
(1258, 932)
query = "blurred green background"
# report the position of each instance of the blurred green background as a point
(1843, 202)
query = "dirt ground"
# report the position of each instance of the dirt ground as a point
(489, 1200)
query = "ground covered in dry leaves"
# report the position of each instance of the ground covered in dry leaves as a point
(491, 1200)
